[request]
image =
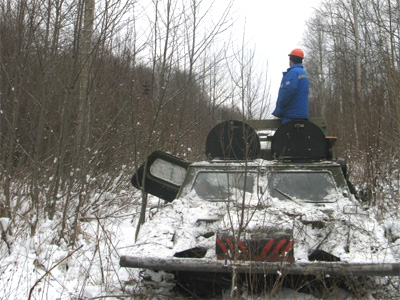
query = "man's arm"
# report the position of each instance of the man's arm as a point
(288, 89)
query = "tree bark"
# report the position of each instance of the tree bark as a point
(219, 266)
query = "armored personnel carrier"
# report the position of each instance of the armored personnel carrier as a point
(269, 199)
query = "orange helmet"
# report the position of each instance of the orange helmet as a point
(297, 52)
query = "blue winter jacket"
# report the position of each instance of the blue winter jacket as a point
(292, 100)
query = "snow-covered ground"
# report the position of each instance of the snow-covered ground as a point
(39, 268)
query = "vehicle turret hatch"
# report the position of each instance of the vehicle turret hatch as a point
(299, 140)
(232, 140)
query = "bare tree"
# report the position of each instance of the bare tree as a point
(180, 40)
(82, 100)
(360, 82)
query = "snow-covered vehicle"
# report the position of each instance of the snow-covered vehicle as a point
(270, 198)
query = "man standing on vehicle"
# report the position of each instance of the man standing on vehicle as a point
(292, 103)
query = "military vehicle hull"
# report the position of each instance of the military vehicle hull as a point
(267, 201)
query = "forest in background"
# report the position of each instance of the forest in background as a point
(88, 89)
(353, 50)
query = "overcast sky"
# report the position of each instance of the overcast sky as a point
(274, 28)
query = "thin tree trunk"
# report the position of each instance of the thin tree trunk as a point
(358, 89)
(84, 113)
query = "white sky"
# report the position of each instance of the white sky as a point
(274, 28)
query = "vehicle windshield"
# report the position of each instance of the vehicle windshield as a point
(307, 186)
(216, 186)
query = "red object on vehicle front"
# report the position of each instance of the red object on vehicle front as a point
(265, 249)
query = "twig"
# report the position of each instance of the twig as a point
(112, 296)
(49, 271)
